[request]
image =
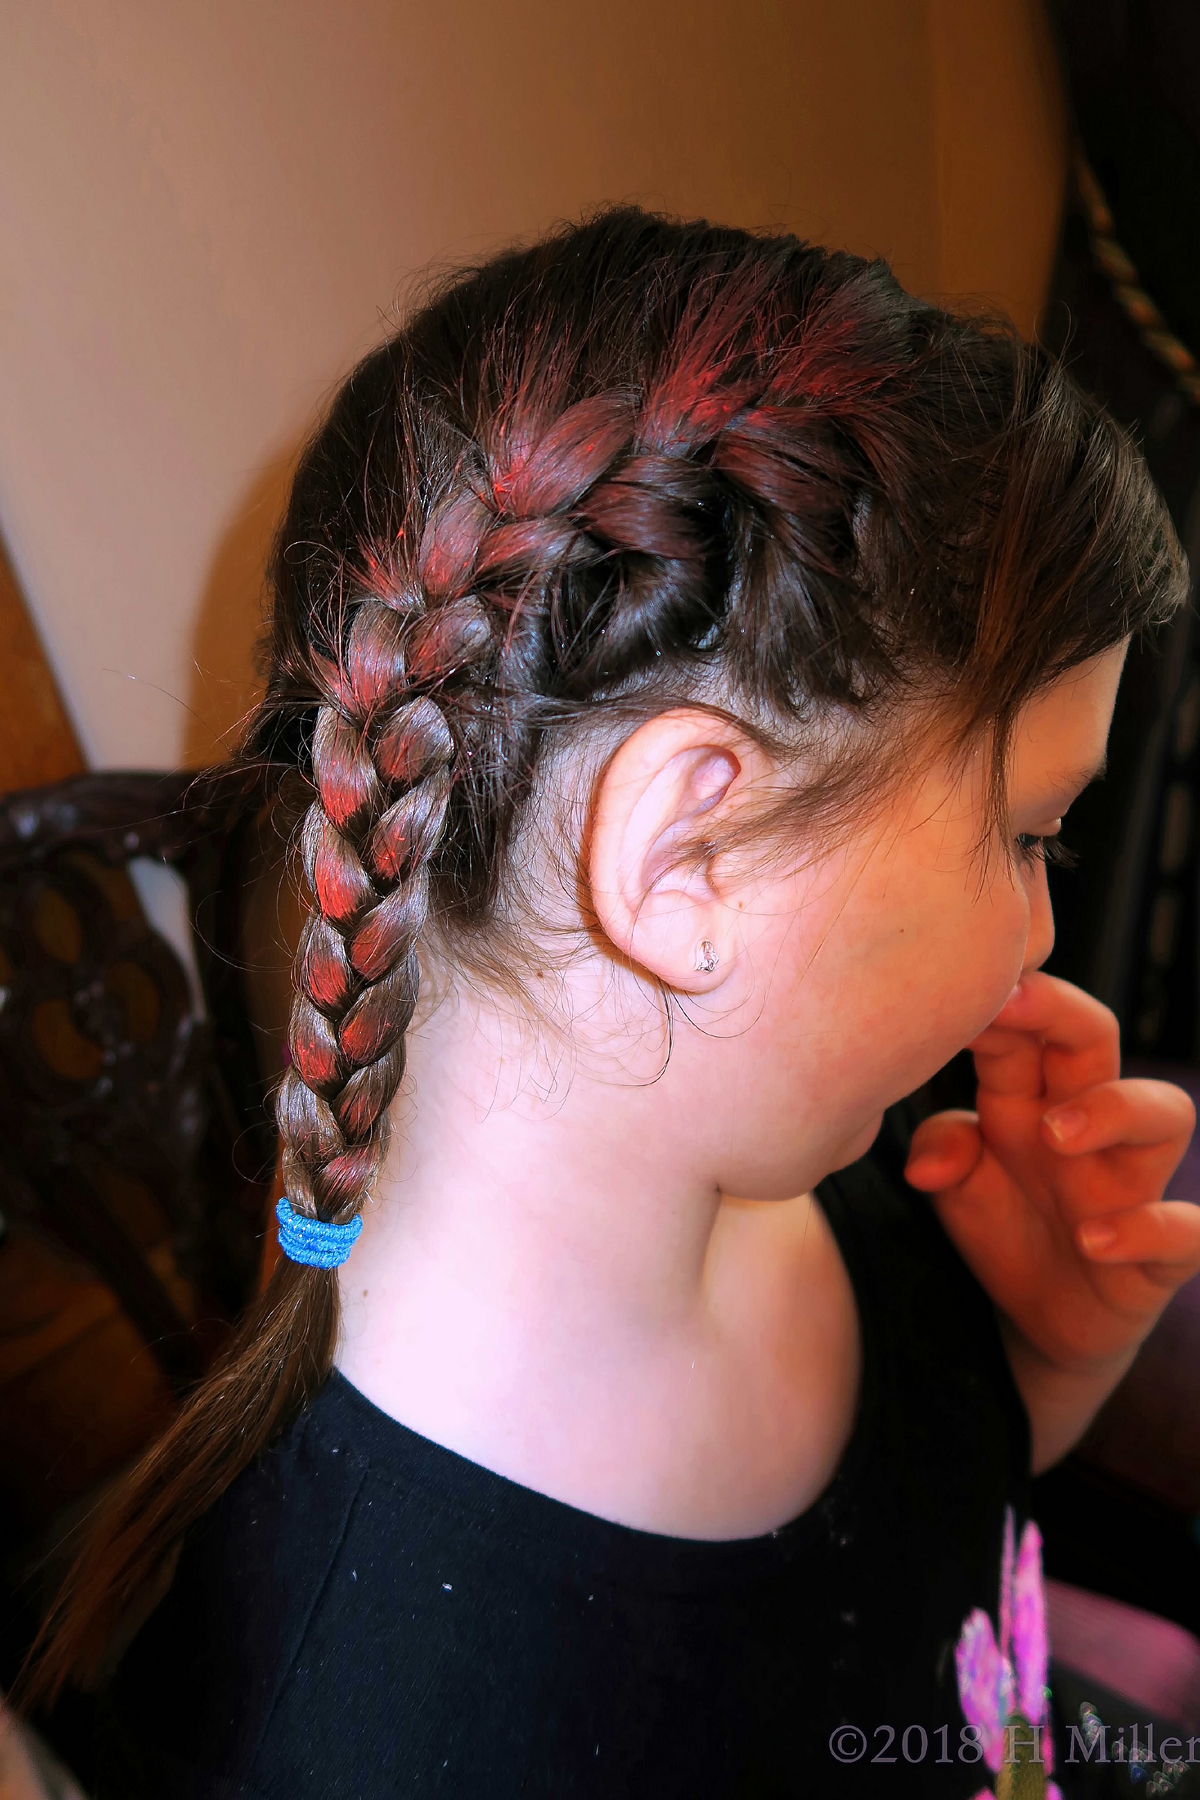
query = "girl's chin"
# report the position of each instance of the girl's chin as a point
(840, 1156)
(860, 1142)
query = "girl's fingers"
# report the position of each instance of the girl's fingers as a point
(1048, 1037)
(1165, 1233)
(944, 1151)
(1118, 1113)
(1009, 1062)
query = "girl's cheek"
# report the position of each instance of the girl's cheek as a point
(986, 964)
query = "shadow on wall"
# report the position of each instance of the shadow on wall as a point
(231, 618)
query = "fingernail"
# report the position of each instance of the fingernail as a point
(1066, 1122)
(1096, 1235)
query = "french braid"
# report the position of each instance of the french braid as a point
(383, 763)
(591, 475)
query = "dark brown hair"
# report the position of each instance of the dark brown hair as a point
(636, 459)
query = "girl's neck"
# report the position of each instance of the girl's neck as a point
(554, 1286)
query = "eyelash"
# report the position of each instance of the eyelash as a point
(1033, 850)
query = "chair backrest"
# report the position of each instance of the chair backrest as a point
(136, 1132)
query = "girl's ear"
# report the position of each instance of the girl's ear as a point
(675, 783)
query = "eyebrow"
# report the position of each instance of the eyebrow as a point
(1073, 781)
(1084, 777)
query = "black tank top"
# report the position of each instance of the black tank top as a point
(366, 1613)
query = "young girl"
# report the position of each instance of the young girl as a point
(691, 641)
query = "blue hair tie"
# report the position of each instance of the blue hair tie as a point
(314, 1242)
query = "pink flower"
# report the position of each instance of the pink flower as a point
(1002, 1676)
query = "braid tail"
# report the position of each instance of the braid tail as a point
(280, 1354)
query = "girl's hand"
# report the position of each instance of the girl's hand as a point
(1053, 1189)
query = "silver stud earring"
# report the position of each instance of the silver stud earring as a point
(706, 956)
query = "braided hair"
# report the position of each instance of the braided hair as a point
(638, 462)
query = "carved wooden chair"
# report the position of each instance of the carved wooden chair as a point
(138, 1144)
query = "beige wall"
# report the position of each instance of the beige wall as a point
(209, 207)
